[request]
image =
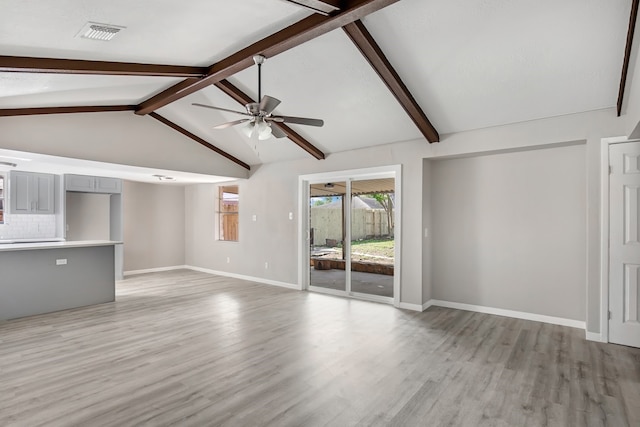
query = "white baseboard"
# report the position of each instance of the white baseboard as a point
(155, 270)
(591, 336)
(243, 277)
(594, 336)
(510, 313)
(409, 306)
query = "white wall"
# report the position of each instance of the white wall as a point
(509, 231)
(153, 225)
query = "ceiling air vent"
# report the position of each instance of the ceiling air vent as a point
(96, 31)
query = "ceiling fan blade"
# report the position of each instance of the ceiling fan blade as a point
(221, 109)
(268, 104)
(229, 124)
(297, 120)
(277, 132)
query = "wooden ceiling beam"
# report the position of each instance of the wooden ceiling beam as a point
(7, 112)
(307, 29)
(242, 98)
(76, 66)
(199, 140)
(627, 53)
(323, 7)
(364, 41)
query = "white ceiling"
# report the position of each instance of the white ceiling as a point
(22, 90)
(191, 32)
(469, 64)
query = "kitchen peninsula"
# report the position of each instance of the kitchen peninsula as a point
(44, 277)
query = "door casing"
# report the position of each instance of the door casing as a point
(394, 171)
(604, 234)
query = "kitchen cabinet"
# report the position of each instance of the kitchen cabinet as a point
(93, 184)
(31, 193)
(45, 277)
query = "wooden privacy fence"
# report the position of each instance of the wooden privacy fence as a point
(365, 224)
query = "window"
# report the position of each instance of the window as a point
(228, 213)
(2, 193)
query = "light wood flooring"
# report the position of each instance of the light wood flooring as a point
(190, 349)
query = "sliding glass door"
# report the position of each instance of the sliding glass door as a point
(327, 235)
(372, 238)
(351, 236)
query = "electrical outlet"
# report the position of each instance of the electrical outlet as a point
(266, 265)
(228, 260)
(426, 232)
(290, 215)
(61, 261)
(254, 218)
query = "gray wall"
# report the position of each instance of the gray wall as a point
(509, 231)
(116, 137)
(87, 216)
(153, 225)
(272, 192)
(426, 225)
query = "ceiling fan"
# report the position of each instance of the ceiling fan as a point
(260, 114)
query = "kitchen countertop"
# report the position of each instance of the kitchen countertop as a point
(25, 246)
(32, 240)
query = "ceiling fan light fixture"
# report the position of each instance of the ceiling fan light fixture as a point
(261, 114)
(248, 129)
(264, 132)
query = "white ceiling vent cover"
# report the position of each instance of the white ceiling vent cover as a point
(96, 31)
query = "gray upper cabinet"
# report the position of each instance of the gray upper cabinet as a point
(93, 184)
(108, 185)
(31, 193)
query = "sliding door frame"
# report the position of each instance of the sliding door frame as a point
(304, 181)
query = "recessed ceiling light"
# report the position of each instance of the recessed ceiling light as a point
(96, 31)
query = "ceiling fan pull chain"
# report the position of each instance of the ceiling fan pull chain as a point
(259, 82)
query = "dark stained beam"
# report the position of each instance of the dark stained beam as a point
(7, 112)
(627, 53)
(363, 40)
(243, 98)
(199, 140)
(76, 66)
(324, 7)
(288, 38)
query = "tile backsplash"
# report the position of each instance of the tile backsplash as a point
(28, 226)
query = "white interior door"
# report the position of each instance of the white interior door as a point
(624, 244)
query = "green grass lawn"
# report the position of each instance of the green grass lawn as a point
(375, 247)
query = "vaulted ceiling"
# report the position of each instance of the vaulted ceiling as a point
(446, 65)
